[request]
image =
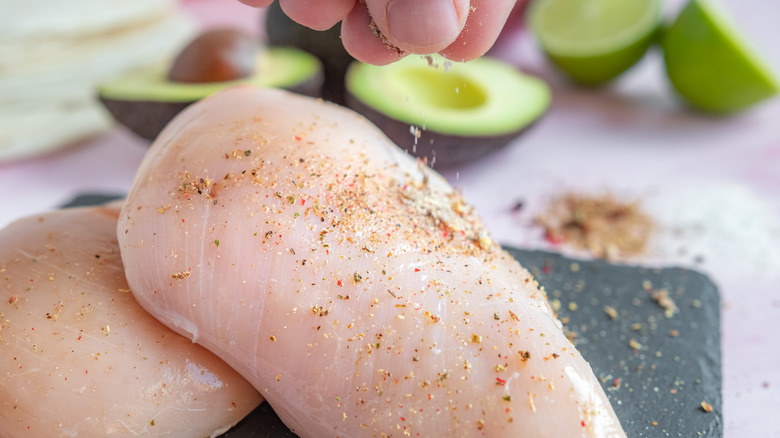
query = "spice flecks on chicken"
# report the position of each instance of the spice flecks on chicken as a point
(391, 309)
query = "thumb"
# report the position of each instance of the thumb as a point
(419, 26)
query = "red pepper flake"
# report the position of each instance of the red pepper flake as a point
(298, 138)
(582, 423)
(500, 381)
(338, 282)
(416, 269)
(555, 239)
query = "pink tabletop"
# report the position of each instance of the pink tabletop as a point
(712, 184)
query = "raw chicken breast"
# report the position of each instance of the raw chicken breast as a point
(81, 358)
(354, 288)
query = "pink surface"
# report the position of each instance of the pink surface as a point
(713, 184)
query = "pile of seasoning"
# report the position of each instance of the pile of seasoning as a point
(602, 225)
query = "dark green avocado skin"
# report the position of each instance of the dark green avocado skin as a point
(147, 118)
(325, 45)
(440, 151)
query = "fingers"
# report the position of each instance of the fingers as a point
(257, 3)
(318, 15)
(482, 28)
(361, 42)
(381, 31)
(419, 26)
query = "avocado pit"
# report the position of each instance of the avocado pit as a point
(216, 55)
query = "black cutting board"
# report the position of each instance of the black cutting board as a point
(656, 370)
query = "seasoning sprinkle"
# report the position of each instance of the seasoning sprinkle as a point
(524, 355)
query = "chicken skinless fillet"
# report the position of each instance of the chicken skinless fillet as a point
(81, 358)
(352, 286)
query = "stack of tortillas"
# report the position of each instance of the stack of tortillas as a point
(54, 52)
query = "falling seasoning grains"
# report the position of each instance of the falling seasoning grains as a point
(609, 310)
(272, 338)
(706, 407)
(475, 338)
(531, 402)
(216, 242)
(633, 343)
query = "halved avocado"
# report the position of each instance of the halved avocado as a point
(146, 100)
(450, 113)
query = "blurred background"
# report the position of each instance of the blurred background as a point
(709, 184)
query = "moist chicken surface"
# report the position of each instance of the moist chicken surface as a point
(352, 286)
(81, 358)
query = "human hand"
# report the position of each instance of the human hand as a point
(382, 31)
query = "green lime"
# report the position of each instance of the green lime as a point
(594, 41)
(710, 63)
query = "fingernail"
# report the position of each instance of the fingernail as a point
(422, 23)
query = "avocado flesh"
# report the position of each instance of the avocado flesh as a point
(463, 110)
(146, 100)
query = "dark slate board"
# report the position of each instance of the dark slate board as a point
(660, 385)
(665, 381)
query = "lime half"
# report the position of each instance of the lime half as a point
(710, 63)
(594, 41)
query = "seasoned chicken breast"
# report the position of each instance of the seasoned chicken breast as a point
(352, 286)
(81, 358)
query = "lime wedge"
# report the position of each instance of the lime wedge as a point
(594, 41)
(710, 63)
